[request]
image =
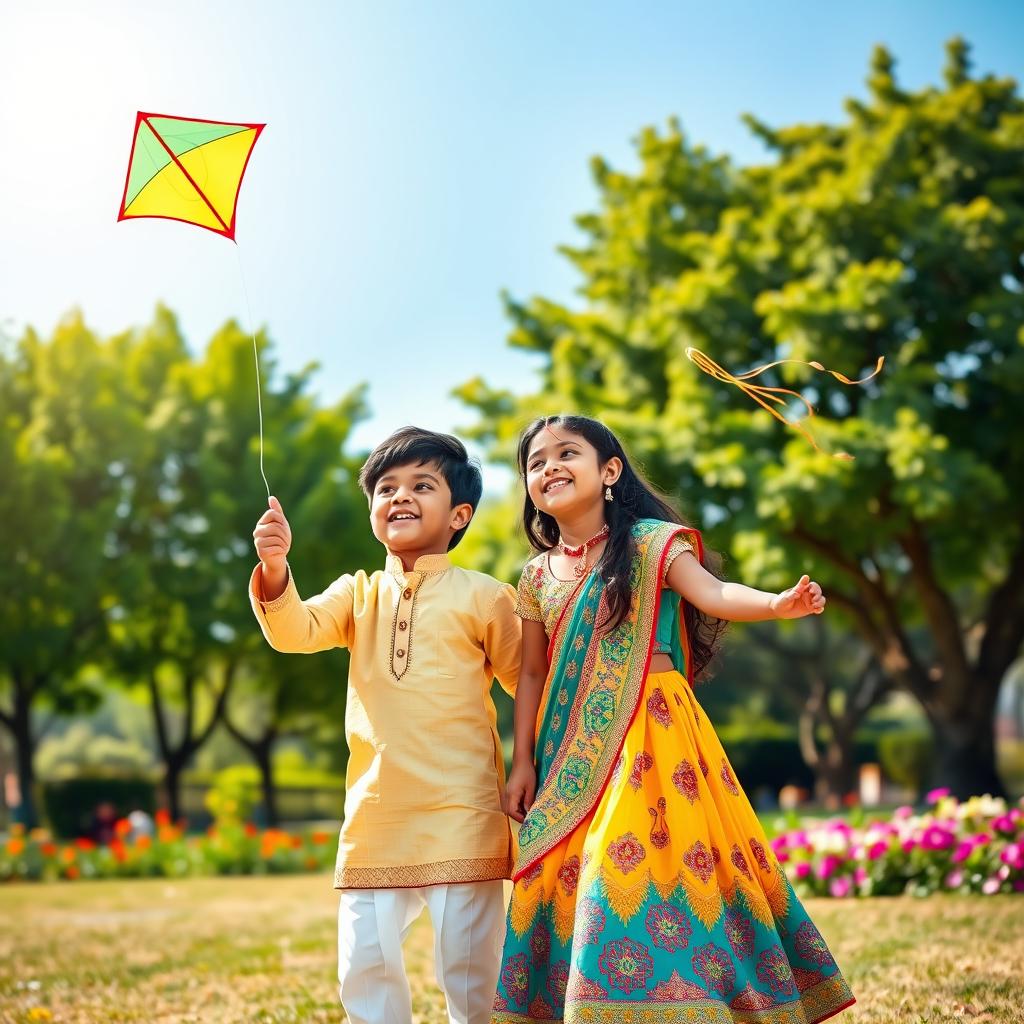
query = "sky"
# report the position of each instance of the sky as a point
(419, 158)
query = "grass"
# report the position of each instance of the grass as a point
(262, 950)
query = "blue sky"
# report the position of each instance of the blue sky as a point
(419, 157)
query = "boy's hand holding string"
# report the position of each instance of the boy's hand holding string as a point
(273, 539)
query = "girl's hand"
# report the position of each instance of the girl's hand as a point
(521, 789)
(273, 539)
(805, 598)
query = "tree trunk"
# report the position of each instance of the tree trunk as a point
(173, 767)
(262, 752)
(965, 754)
(24, 758)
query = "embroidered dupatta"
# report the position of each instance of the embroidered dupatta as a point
(595, 681)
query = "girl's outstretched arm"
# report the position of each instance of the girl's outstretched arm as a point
(522, 780)
(733, 601)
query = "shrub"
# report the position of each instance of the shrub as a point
(70, 804)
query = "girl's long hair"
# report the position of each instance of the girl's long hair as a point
(633, 498)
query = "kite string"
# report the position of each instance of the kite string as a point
(256, 357)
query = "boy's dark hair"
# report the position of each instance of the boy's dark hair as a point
(415, 446)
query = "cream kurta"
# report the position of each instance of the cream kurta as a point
(425, 771)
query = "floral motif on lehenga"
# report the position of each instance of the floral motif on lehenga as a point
(730, 782)
(739, 930)
(516, 978)
(684, 778)
(626, 852)
(811, 946)
(627, 964)
(569, 875)
(643, 762)
(773, 969)
(699, 861)
(657, 708)
(715, 967)
(668, 927)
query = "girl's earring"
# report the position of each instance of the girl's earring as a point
(608, 494)
(538, 526)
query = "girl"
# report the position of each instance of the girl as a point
(645, 889)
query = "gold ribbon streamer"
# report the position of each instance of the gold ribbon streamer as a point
(763, 395)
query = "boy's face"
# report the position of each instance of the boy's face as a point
(411, 510)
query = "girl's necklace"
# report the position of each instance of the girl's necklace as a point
(582, 550)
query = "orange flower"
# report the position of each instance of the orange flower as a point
(250, 829)
(48, 849)
(15, 846)
(312, 863)
(71, 872)
(296, 842)
(122, 827)
(143, 842)
(319, 838)
(167, 833)
(17, 829)
(118, 850)
(68, 854)
(163, 817)
(85, 845)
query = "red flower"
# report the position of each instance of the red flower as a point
(251, 830)
(122, 827)
(85, 845)
(163, 817)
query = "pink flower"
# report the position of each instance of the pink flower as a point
(876, 850)
(1013, 856)
(954, 879)
(981, 838)
(991, 886)
(1004, 823)
(860, 875)
(840, 887)
(827, 867)
(906, 811)
(935, 795)
(908, 844)
(781, 856)
(802, 870)
(937, 838)
(963, 851)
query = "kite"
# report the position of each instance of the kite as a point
(763, 395)
(190, 170)
(187, 169)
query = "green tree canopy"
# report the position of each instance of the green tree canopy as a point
(898, 232)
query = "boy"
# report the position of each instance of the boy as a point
(423, 815)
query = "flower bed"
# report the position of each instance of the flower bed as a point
(226, 849)
(975, 846)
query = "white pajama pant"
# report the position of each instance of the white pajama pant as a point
(469, 929)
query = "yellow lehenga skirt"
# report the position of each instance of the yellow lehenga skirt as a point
(666, 903)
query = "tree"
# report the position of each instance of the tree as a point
(898, 232)
(73, 408)
(185, 625)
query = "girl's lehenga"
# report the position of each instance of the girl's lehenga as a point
(645, 889)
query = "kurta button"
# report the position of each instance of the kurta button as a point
(400, 654)
(403, 624)
(408, 593)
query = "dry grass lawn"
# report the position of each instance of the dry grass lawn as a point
(262, 950)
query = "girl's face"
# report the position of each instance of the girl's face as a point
(563, 474)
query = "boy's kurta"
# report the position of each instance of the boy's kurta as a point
(425, 770)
